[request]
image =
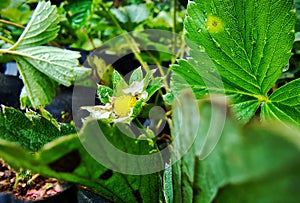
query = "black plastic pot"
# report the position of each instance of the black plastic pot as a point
(68, 195)
(11, 86)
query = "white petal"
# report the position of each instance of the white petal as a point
(135, 88)
(99, 112)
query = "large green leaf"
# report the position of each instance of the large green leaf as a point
(253, 164)
(58, 64)
(41, 66)
(248, 41)
(67, 159)
(41, 28)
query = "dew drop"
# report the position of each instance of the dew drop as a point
(199, 30)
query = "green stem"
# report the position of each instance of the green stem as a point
(6, 40)
(174, 31)
(160, 70)
(130, 41)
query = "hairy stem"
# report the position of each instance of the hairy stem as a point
(130, 41)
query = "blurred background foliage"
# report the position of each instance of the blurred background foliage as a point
(87, 24)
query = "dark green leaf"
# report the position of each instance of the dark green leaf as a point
(78, 12)
(248, 41)
(104, 93)
(67, 159)
(31, 133)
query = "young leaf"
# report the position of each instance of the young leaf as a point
(104, 93)
(118, 83)
(248, 41)
(41, 28)
(136, 76)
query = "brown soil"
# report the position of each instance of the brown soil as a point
(36, 187)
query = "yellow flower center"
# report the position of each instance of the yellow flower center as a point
(123, 104)
(214, 24)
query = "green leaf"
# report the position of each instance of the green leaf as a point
(136, 76)
(284, 104)
(4, 4)
(29, 132)
(248, 41)
(132, 13)
(244, 106)
(118, 83)
(137, 13)
(78, 12)
(58, 64)
(242, 39)
(104, 93)
(41, 66)
(104, 72)
(41, 28)
(253, 164)
(120, 15)
(38, 88)
(17, 12)
(155, 84)
(67, 159)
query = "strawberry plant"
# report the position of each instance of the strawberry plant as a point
(243, 150)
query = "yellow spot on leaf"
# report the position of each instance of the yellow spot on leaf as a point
(123, 104)
(214, 24)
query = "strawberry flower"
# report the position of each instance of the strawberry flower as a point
(125, 101)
